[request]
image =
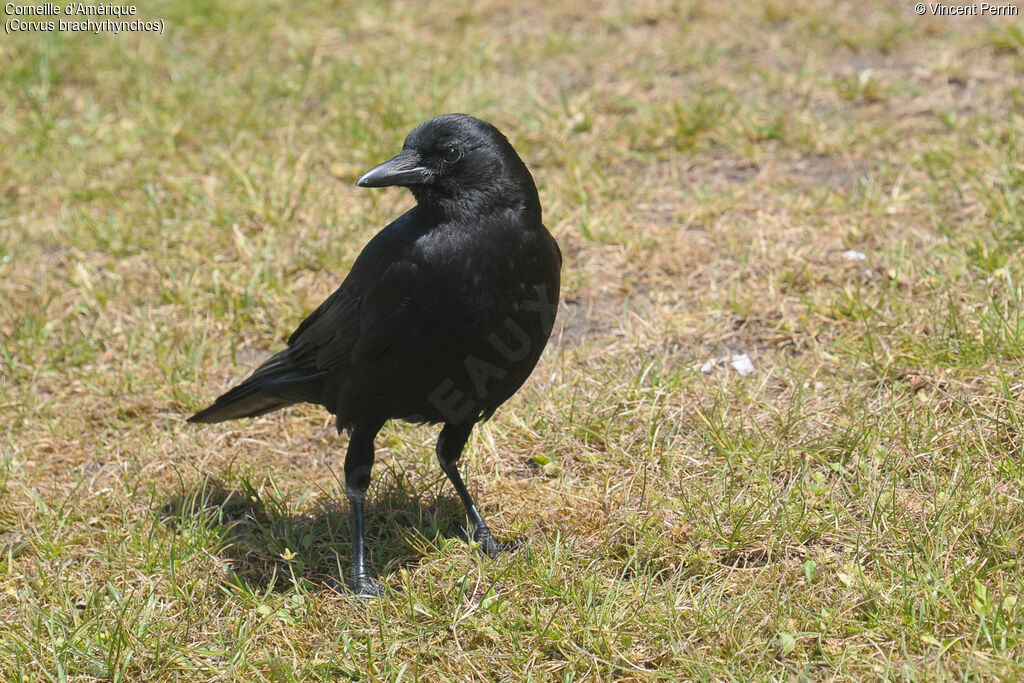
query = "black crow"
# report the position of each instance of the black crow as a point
(441, 319)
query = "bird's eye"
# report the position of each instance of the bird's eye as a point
(452, 154)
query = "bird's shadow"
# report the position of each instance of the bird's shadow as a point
(268, 545)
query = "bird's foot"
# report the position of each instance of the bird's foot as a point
(365, 587)
(361, 584)
(487, 544)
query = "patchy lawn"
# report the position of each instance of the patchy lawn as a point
(833, 190)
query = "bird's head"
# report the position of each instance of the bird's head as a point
(457, 163)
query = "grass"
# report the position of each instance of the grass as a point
(171, 206)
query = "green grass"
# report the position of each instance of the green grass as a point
(171, 206)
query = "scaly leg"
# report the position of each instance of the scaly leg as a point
(358, 463)
(449, 449)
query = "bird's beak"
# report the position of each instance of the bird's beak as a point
(404, 169)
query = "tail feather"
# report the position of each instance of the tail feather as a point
(234, 407)
(262, 393)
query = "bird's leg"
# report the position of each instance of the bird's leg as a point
(358, 463)
(449, 449)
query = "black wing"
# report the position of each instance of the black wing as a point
(349, 327)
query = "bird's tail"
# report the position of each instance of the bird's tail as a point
(242, 401)
(273, 385)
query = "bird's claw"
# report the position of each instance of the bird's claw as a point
(362, 585)
(487, 544)
(365, 587)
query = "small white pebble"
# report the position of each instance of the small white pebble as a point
(742, 364)
(853, 255)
